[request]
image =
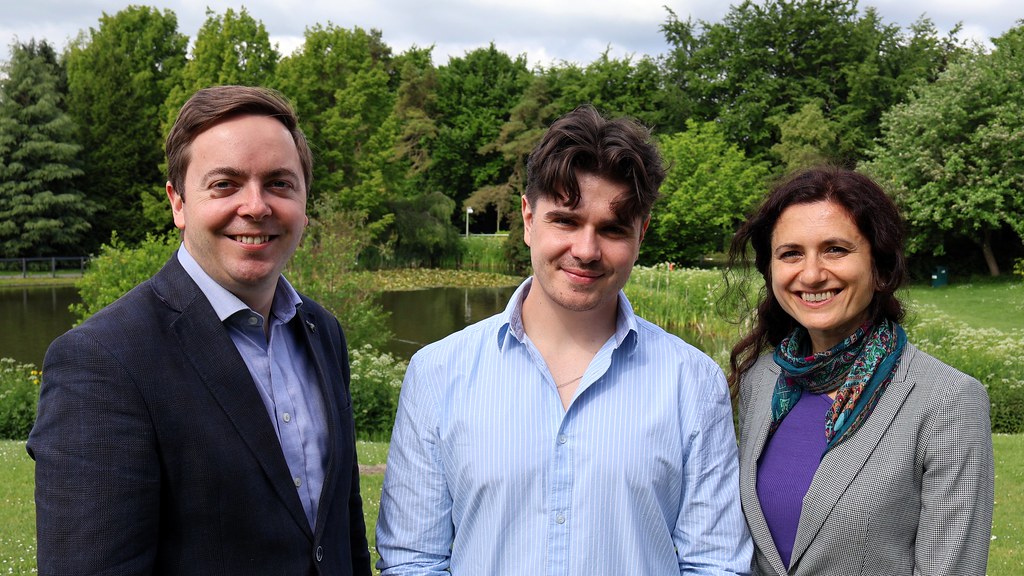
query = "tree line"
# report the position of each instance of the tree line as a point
(403, 146)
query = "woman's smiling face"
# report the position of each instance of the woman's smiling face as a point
(821, 271)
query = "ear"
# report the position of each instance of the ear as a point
(643, 228)
(177, 206)
(527, 220)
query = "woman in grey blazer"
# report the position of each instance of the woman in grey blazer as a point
(859, 453)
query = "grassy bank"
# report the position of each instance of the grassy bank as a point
(17, 514)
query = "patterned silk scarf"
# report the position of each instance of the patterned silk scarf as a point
(859, 367)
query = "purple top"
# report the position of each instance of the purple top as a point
(787, 466)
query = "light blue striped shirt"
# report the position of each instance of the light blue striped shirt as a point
(284, 375)
(487, 474)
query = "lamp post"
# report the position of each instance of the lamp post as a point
(469, 210)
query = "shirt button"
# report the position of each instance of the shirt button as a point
(253, 320)
(562, 439)
(560, 519)
(286, 417)
(298, 482)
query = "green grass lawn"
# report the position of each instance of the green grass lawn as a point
(17, 514)
(982, 304)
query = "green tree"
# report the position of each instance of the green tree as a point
(709, 189)
(765, 61)
(807, 137)
(953, 156)
(340, 82)
(42, 212)
(475, 97)
(119, 76)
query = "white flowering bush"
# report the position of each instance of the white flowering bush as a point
(376, 383)
(995, 357)
(19, 395)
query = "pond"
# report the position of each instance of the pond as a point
(30, 318)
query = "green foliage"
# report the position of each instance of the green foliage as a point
(322, 268)
(475, 96)
(118, 78)
(710, 187)
(485, 253)
(42, 212)
(376, 384)
(807, 138)
(766, 60)
(396, 279)
(953, 156)
(989, 354)
(1018, 267)
(426, 235)
(118, 268)
(340, 82)
(19, 394)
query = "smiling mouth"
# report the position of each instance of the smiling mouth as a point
(251, 239)
(817, 296)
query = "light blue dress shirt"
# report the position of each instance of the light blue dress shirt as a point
(488, 474)
(284, 375)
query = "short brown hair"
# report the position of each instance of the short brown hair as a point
(585, 142)
(212, 105)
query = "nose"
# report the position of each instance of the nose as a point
(586, 245)
(812, 272)
(253, 205)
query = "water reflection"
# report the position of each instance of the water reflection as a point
(419, 317)
(31, 317)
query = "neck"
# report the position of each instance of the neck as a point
(554, 327)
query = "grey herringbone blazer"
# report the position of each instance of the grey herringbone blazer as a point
(911, 492)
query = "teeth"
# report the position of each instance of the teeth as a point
(252, 239)
(818, 297)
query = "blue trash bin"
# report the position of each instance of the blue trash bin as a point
(940, 277)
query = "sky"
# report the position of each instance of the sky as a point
(545, 31)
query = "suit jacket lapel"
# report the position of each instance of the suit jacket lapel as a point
(204, 341)
(842, 463)
(757, 419)
(315, 344)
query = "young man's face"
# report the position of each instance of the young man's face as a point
(582, 256)
(243, 209)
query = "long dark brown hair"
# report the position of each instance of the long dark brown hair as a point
(875, 215)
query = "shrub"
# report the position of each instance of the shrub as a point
(376, 383)
(118, 268)
(19, 394)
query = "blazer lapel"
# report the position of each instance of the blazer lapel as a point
(757, 420)
(204, 341)
(842, 463)
(315, 344)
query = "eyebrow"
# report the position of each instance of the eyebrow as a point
(826, 242)
(235, 173)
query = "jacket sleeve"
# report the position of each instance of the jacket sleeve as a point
(957, 486)
(97, 471)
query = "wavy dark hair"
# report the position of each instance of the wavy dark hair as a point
(875, 215)
(583, 141)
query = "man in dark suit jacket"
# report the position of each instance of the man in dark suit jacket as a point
(202, 424)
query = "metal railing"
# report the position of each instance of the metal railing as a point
(51, 266)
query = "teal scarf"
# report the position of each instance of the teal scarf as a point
(859, 367)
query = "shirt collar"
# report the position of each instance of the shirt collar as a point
(512, 319)
(225, 304)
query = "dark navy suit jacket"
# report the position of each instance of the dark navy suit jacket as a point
(155, 454)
